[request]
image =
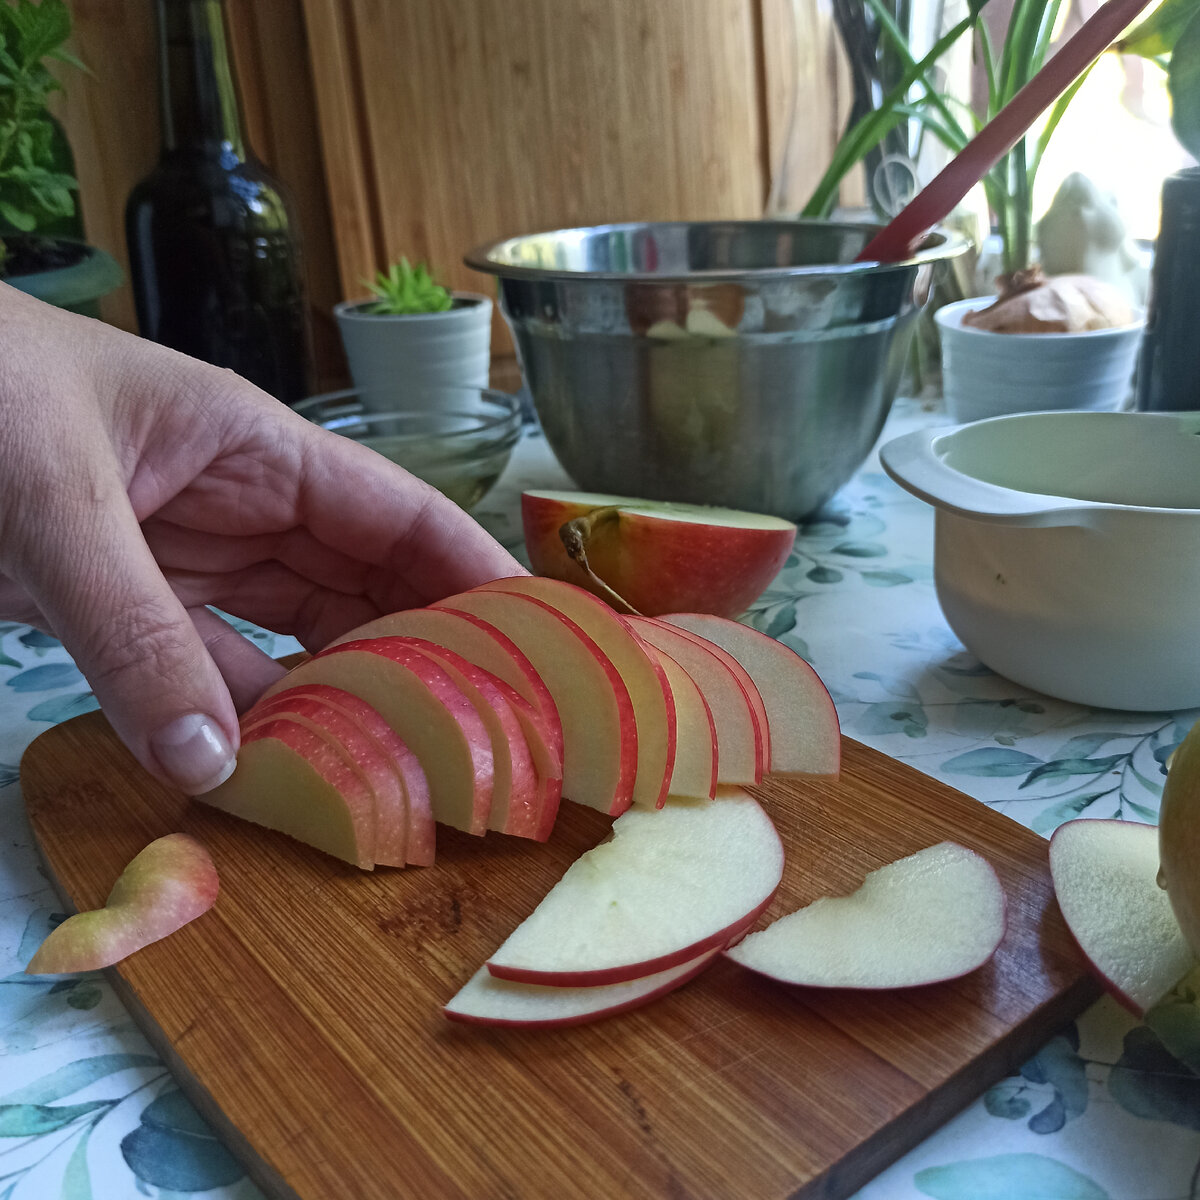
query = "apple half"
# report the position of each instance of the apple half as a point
(668, 885)
(805, 732)
(643, 676)
(1179, 836)
(1106, 880)
(657, 556)
(167, 884)
(486, 1000)
(935, 915)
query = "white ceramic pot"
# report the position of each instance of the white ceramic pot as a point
(1067, 550)
(417, 352)
(987, 374)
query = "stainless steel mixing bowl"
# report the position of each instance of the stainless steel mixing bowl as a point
(741, 363)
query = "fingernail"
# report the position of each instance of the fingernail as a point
(194, 752)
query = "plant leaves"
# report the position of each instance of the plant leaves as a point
(1149, 1081)
(173, 1148)
(1049, 819)
(31, 1120)
(1006, 1177)
(1158, 33)
(62, 708)
(1183, 83)
(884, 578)
(77, 1179)
(991, 762)
(860, 549)
(825, 575)
(75, 1076)
(35, 639)
(46, 678)
(1004, 1101)
(1177, 1026)
(1064, 768)
(894, 716)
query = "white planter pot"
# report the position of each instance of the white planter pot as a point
(987, 374)
(393, 356)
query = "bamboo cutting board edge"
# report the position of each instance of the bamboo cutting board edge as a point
(907, 1127)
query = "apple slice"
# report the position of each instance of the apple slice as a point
(1179, 836)
(659, 557)
(517, 794)
(935, 915)
(478, 642)
(599, 731)
(805, 733)
(290, 779)
(425, 709)
(169, 883)
(667, 885)
(741, 744)
(375, 769)
(653, 706)
(695, 770)
(1106, 880)
(486, 1000)
(420, 834)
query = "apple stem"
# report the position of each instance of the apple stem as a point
(575, 534)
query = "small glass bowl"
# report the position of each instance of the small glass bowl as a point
(459, 439)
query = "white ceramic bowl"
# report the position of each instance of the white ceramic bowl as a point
(987, 374)
(1067, 551)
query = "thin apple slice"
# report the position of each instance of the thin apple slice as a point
(653, 706)
(289, 779)
(668, 885)
(486, 1000)
(599, 731)
(516, 788)
(935, 915)
(1106, 880)
(695, 770)
(805, 733)
(376, 771)
(741, 742)
(425, 709)
(478, 642)
(167, 884)
(656, 555)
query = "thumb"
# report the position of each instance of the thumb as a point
(104, 595)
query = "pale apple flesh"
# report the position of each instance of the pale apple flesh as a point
(486, 1000)
(1106, 881)
(599, 729)
(667, 885)
(291, 780)
(653, 707)
(425, 710)
(741, 744)
(1179, 836)
(805, 732)
(695, 769)
(169, 883)
(935, 915)
(657, 556)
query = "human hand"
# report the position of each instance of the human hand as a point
(138, 486)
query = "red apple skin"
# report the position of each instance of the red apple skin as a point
(651, 966)
(169, 883)
(658, 565)
(702, 964)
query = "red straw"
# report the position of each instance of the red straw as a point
(935, 202)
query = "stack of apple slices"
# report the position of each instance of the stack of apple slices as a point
(483, 711)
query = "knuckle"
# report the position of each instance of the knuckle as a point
(141, 638)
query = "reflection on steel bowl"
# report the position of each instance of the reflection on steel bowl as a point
(459, 439)
(741, 363)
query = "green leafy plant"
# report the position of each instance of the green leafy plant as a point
(404, 289)
(1169, 37)
(31, 189)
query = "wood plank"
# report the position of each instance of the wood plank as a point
(302, 1013)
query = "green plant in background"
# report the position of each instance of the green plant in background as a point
(31, 188)
(404, 289)
(1171, 37)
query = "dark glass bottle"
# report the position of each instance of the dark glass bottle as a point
(213, 249)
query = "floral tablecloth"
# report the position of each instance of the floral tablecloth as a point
(1109, 1108)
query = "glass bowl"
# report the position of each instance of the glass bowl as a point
(459, 439)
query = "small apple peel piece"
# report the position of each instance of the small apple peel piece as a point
(1105, 877)
(169, 883)
(935, 915)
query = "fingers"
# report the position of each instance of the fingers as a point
(246, 669)
(103, 594)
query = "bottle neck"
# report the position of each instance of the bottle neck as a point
(199, 101)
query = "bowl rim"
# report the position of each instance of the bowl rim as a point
(484, 258)
(508, 406)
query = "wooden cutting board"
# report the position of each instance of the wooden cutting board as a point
(302, 1014)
